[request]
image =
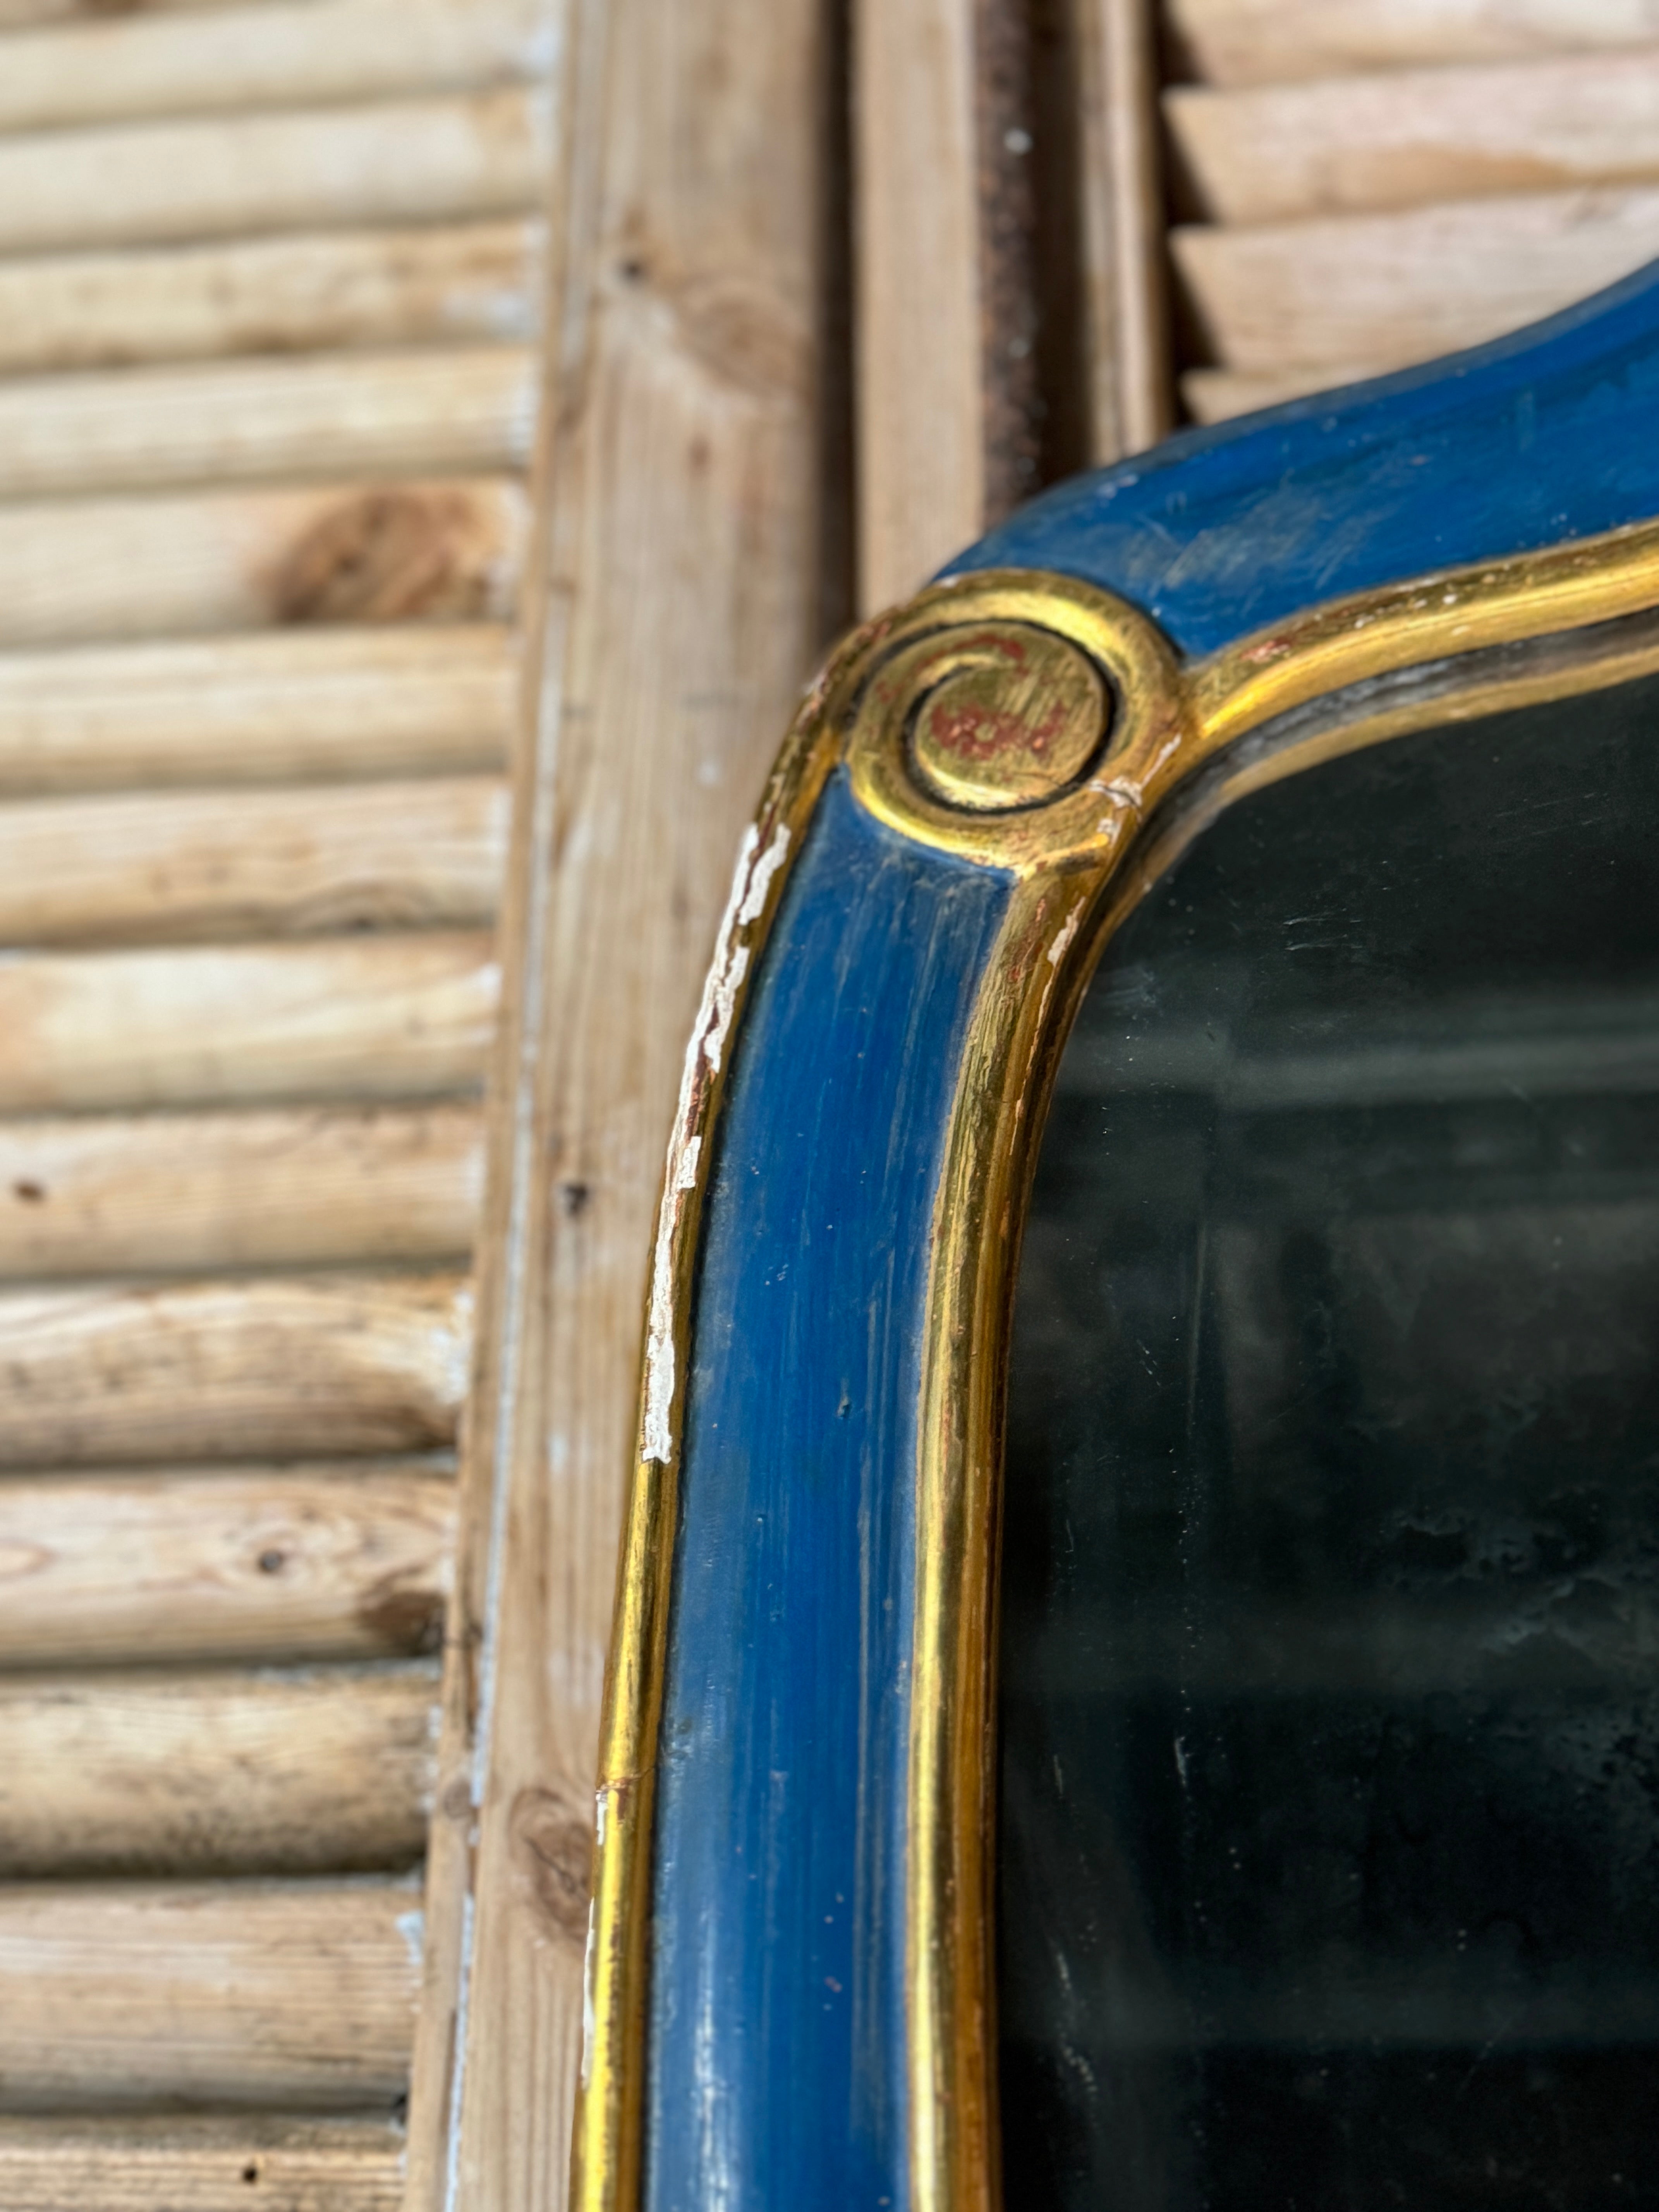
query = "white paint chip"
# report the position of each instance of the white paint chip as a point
(750, 884)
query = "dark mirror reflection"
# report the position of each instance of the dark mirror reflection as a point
(1329, 1829)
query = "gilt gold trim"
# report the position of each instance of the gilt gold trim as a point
(1041, 726)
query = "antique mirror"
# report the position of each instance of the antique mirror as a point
(1133, 1676)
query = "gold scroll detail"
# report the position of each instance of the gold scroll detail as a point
(1007, 715)
(1048, 763)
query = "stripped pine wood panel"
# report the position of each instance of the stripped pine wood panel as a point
(919, 380)
(1379, 291)
(117, 1194)
(419, 286)
(94, 570)
(1415, 136)
(1123, 229)
(297, 861)
(145, 2163)
(1274, 41)
(389, 1015)
(284, 55)
(242, 1367)
(332, 1560)
(297, 1994)
(1218, 395)
(214, 177)
(301, 704)
(467, 409)
(678, 617)
(327, 1771)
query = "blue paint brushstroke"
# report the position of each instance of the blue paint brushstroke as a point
(1545, 436)
(776, 2035)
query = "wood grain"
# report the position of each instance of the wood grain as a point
(454, 282)
(1386, 289)
(91, 569)
(297, 861)
(232, 176)
(677, 618)
(375, 1017)
(1416, 137)
(365, 415)
(341, 1560)
(1123, 229)
(303, 1186)
(271, 56)
(921, 440)
(147, 2164)
(273, 1994)
(1275, 41)
(245, 1367)
(300, 705)
(324, 1772)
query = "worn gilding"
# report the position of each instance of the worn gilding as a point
(1054, 764)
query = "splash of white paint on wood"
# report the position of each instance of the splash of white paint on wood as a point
(411, 1926)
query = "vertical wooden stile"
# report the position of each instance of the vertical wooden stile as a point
(1126, 338)
(674, 600)
(920, 405)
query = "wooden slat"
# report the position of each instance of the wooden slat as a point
(683, 537)
(1389, 289)
(286, 1993)
(250, 1367)
(194, 2165)
(458, 282)
(24, 14)
(391, 1016)
(219, 177)
(920, 437)
(303, 705)
(1123, 227)
(274, 863)
(1416, 137)
(267, 57)
(467, 409)
(338, 1561)
(1276, 41)
(324, 1772)
(88, 569)
(299, 1186)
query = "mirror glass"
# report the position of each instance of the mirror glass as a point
(1328, 1839)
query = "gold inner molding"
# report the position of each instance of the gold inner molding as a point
(1057, 765)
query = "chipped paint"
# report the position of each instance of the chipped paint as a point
(760, 879)
(750, 885)
(1062, 944)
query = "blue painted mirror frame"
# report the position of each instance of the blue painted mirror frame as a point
(790, 1982)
